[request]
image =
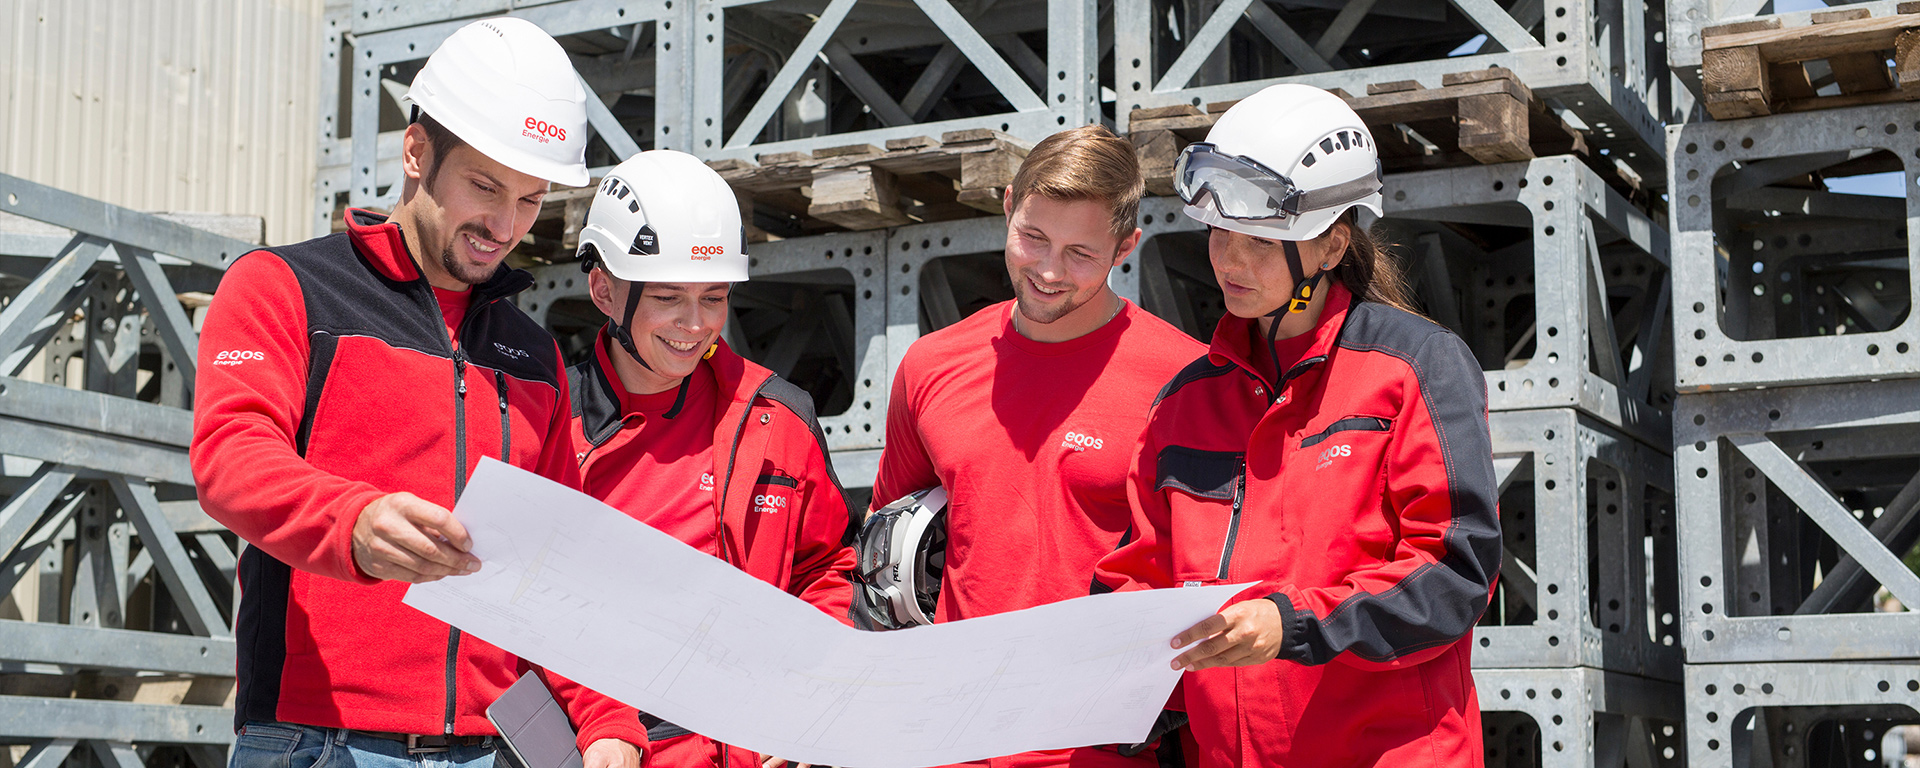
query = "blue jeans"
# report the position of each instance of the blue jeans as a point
(286, 745)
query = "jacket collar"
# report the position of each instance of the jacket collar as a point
(1233, 338)
(737, 378)
(379, 241)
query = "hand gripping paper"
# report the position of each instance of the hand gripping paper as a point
(580, 588)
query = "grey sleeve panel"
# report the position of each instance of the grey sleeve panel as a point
(1439, 603)
(800, 403)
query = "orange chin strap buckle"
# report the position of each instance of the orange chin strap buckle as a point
(1302, 296)
(710, 350)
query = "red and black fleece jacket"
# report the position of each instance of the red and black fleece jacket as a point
(327, 379)
(1360, 494)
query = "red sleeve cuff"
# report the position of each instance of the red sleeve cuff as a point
(615, 726)
(341, 539)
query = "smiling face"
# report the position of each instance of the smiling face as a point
(1058, 257)
(672, 327)
(1253, 273)
(463, 224)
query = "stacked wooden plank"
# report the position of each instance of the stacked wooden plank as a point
(1761, 66)
(1477, 117)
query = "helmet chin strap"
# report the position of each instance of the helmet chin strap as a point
(1303, 288)
(618, 330)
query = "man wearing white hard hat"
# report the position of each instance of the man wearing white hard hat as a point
(680, 432)
(348, 387)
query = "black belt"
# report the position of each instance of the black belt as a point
(417, 744)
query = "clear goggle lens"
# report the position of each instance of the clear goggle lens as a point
(1239, 188)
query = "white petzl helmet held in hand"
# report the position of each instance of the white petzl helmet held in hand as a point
(508, 90)
(903, 551)
(1282, 164)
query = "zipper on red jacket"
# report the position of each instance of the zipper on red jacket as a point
(506, 425)
(733, 454)
(459, 487)
(1233, 523)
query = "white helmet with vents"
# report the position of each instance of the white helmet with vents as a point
(903, 552)
(665, 217)
(1282, 164)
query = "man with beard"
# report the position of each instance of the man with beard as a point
(1027, 411)
(349, 384)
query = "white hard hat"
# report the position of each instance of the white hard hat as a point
(665, 217)
(1283, 164)
(902, 549)
(508, 90)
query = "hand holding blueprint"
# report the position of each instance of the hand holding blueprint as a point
(586, 591)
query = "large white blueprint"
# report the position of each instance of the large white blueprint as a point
(585, 591)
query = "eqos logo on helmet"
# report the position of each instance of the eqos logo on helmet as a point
(541, 131)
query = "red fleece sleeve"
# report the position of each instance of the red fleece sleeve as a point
(250, 393)
(905, 466)
(595, 715)
(1143, 558)
(821, 557)
(1440, 488)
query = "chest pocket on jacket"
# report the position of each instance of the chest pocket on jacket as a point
(1349, 424)
(773, 494)
(1201, 489)
(1340, 466)
(1353, 443)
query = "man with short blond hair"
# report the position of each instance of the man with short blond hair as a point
(1027, 411)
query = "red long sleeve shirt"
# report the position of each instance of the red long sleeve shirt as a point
(1032, 442)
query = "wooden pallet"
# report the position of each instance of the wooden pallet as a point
(1759, 67)
(1479, 117)
(961, 174)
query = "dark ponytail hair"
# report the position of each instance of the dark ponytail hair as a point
(1369, 271)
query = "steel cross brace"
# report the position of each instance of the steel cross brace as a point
(1721, 438)
(1599, 64)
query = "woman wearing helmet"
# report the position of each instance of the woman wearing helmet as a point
(674, 428)
(1333, 447)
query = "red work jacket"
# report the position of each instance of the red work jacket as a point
(1360, 494)
(778, 510)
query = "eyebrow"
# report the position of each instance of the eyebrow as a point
(501, 184)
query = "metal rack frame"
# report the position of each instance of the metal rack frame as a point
(1594, 492)
(1711, 254)
(1735, 537)
(90, 470)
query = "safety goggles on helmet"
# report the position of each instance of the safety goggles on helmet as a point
(1242, 188)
